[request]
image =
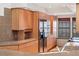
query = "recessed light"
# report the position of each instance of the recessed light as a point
(50, 6)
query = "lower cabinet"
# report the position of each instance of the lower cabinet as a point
(51, 42)
(30, 47)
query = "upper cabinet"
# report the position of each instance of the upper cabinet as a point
(21, 19)
(15, 19)
(28, 16)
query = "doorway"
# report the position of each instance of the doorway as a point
(44, 30)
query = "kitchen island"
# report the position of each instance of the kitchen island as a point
(28, 45)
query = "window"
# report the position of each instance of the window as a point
(73, 26)
(64, 27)
(44, 25)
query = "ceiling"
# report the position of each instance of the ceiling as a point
(58, 8)
(49, 8)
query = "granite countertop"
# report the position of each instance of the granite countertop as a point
(4, 43)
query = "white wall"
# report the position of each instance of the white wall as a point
(2, 6)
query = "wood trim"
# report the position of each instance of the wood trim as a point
(35, 25)
(43, 16)
(51, 24)
(22, 9)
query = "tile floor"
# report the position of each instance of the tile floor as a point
(69, 51)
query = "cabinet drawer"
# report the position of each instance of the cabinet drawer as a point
(27, 44)
(30, 49)
(9, 47)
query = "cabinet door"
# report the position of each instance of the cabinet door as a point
(26, 19)
(18, 21)
(21, 20)
(15, 19)
(30, 20)
(51, 42)
(31, 47)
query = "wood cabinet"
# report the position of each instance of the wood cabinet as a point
(31, 47)
(28, 19)
(77, 17)
(15, 19)
(51, 42)
(12, 47)
(51, 24)
(21, 19)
